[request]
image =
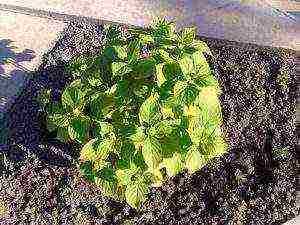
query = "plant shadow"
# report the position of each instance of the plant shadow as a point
(12, 76)
(27, 135)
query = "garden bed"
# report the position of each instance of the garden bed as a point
(254, 183)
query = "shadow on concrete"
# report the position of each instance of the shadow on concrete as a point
(25, 122)
(12, 81)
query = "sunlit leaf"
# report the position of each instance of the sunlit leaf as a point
(194, 160)
(173, 165)
(152, 152)
(87, 152)
(121, 51)
(186, 64)
(136, 192)
(159, 74)
(201, 46)
(72, 96)
(149, 110)
(120, 68)
(188, 34)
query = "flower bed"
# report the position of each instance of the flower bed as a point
(245, 185)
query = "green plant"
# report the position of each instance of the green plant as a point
(144, 109)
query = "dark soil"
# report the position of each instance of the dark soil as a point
(251, 184)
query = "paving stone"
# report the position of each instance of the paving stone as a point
(243, 21)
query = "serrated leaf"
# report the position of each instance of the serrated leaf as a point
(201, 46)
(72, 97)
(146, 39)
(188, 34)
(95, 82)
(87, 152)
(105, 128)
(194, 160)
(167, 112)
(157, 178)
(164, 128)
(165, 56)
(138, 138)
(121, 51)
(173, 165)
(99, 165)
(107, 187)
(119, 69)
(186, 64)
(59, 120)
(179, 88)
(62, 134)
(136, 192)
(160, 77)
(104, 148)
(145, 68)
(209, 97)
(152, 152)
(149, 110)
(78, 129)
(198, 59)
(124, 176)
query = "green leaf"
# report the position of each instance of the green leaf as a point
(172, 71)
(59, 120)
(188, 34)
(136, 192)
(44, 97)
(62, 134)
(99, 165)
(124, 176)
(198, 59)
(87, 152)
(201, 46)
(107, 187)
(194, 160)
(149, 110)
(105, 128)
(186, 64)
(145, 68)
(189, 94)
(152, 152)
(160, 78)
(173, 165)
(133, 54)
(138, 138)
(209, 97)
(72, 97)
(164, 128)
(146, 39)
(95, 82)
(121, 51)
(120, 68)
(167, 112)
(179, 88)
(104, 148)
(165, 56)
(78, 129)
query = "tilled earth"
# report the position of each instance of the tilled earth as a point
(252, 184)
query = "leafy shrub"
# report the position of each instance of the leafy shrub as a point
(144, 109)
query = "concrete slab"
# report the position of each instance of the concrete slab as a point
(23, 41)
(247, 21)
